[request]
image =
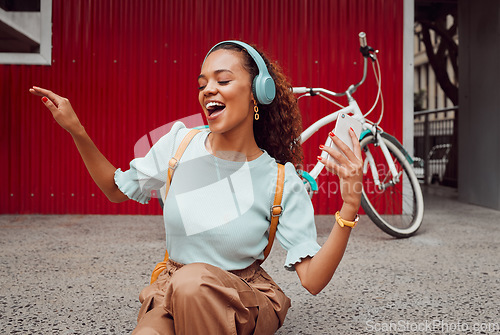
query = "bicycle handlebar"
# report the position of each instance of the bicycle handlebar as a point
(314, 91)
(366, 51)
(362, 39)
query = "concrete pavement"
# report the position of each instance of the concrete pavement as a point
(81, 274)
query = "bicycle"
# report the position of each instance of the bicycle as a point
(391, 196)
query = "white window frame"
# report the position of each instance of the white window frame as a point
(408, 73)
(44, 56)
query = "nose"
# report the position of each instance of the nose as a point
(210, 88)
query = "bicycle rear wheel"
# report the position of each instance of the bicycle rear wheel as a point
(396, 208)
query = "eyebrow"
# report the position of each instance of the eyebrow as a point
(216, 72)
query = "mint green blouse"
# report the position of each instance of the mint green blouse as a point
(218, 211)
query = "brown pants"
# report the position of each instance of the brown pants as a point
(203, 299)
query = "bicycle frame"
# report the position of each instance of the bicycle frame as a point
(354, 110)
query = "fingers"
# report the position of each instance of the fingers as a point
(330, 165)
(49, 104)
(41, 92)
(340, 154)
(51, 100)
(355, 142)
(345, 159)
(344, 147)
(34, 92)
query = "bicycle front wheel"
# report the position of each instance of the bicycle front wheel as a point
(396, 205)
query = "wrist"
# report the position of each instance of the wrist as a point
(77, 131)
(349, 211)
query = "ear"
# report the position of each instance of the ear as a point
(253, 101)
(253, 98)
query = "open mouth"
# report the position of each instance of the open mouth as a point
(214, 107)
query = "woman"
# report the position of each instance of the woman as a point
(217, 209)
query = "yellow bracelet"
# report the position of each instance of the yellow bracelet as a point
(343, 222)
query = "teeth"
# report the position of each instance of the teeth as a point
(214, 104)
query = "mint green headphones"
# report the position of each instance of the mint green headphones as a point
(263, 86)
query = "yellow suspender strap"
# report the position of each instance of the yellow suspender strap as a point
(172, 165)
(276, 210)
(174, 161)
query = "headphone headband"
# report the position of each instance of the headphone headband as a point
(263, 86)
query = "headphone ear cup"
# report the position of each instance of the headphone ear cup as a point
(264, 89)
(263, 86)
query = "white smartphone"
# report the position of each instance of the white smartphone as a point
(344, 122)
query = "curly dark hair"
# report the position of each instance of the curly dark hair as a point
(278, 129)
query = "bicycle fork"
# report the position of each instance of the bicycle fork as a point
(373, 167)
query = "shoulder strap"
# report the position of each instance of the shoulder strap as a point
(174, 161)
(276, 210)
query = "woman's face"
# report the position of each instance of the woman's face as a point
(225, 92)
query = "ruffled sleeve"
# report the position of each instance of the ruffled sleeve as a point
(149, 173)
(296, 229)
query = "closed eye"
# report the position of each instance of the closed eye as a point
(222, 82)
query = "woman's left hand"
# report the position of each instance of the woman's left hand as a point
(349, 168)
(316, 272)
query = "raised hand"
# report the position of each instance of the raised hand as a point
(349, 168)
(60, 108)
(100, 169)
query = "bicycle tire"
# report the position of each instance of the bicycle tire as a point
(396, 209)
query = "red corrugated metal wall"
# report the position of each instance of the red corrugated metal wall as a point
(129, 67)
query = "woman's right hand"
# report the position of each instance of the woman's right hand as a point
(100, 169)
(60, 108)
